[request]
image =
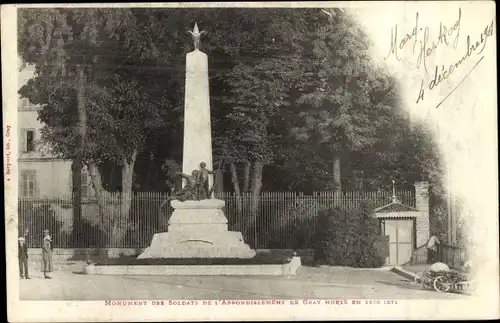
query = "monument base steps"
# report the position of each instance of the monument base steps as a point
(288, 269)
(198, 229)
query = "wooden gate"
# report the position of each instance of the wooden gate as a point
(400, 232)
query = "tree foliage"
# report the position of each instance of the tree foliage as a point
(124, 97)
(297, 102)
(346, 237)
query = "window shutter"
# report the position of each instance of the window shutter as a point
(35, 182)
(34, 140)
(30, 184)
(23, 141)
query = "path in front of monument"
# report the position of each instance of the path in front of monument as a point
(309, 283)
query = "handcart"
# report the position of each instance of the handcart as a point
(444, 281)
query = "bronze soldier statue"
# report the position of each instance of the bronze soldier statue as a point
(197, 186)
(188, 193)
(204, 191)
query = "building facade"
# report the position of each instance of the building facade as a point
(40, 173)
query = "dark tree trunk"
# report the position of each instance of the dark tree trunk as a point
(120, 223)
(246, 176)
(337, 183)
(256, 186)
(76, 174)
(77, 165)
(219, 181)
(127, 181)
(247, 225)
(236, 187)
(95, 177)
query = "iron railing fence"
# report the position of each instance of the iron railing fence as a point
(282, 219)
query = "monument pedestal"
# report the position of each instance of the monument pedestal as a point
(198, 229)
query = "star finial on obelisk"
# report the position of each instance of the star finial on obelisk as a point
(196, 36)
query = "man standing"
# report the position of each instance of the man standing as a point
(47, 254)
(432, 249)
(23, 258)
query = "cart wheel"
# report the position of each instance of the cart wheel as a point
(441, 285)
(427, 285)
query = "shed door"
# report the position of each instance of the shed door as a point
(400, 234)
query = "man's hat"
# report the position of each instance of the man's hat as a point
(20, 239)
(45, 231)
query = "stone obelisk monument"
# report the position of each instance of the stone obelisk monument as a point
(197, 128)
(197, 229)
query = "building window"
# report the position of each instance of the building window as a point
(28, 138)
(28, 183)
(26, 104)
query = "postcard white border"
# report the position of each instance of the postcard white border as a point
(484, 305)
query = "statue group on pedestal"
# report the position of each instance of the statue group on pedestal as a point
(197, 185)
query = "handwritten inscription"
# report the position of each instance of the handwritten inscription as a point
(427, 48)
(424, 47)
(8, 164)
(443, 73)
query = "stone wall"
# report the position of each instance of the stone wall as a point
(75, 254)
(80, 254)
(422, 217)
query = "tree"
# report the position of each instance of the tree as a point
(42, 38)
(260, 87)
(292, 90)
(122, 101)
(347, 100)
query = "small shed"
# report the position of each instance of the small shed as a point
(406, 228)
